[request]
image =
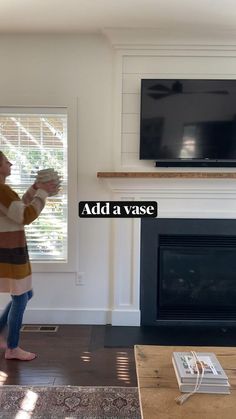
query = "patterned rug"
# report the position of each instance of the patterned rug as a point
(68, 402)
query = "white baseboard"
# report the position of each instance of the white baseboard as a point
(125, 318)
(85, 316)
(66, 316)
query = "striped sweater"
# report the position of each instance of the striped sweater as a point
(15, 269)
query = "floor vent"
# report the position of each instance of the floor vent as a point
(39, 328)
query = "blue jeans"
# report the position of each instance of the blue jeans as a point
(12, 317)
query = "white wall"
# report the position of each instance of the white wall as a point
(57, 70)
(46, 70)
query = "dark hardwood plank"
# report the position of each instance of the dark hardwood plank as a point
(74, 355)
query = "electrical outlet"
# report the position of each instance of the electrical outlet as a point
(80, 278)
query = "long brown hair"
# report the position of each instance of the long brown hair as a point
(1, 156)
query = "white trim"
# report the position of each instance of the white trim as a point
(66, 316)
(82, 316)
(125, 318)
(153, 38)
(117, 108)
(59, 110)
(172, 187)
(69, 106)
(177, 198)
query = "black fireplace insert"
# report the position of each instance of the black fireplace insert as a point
(188, 271)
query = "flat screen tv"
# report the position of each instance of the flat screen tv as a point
(188, 122)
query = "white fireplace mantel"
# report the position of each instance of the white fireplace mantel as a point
(177, 197)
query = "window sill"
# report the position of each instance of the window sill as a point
(51, 266)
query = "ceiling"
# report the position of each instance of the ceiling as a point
(92, 16)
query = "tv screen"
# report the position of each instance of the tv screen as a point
(188, 120)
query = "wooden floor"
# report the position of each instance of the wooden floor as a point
(74, 355)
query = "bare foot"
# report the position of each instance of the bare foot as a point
(20, 354)
(3, 343)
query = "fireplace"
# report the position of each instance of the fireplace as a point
(188, 271)
(185, 201)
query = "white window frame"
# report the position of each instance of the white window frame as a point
(70, 107)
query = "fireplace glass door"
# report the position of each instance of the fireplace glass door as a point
(188, 271)
(196, 282)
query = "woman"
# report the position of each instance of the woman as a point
(15, 269)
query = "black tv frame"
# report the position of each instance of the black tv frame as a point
(190, 162)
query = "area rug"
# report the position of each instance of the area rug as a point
(68, 402)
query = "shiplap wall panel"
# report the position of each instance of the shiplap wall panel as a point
(130, 123)
(131, 82)
(131, 103)
(137, 67)
(130, 143)
(132, 160)
(153, 65)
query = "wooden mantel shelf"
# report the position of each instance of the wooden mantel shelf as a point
(157, 175)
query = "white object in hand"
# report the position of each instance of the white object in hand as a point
(47, 175)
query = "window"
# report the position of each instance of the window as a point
(34, 141)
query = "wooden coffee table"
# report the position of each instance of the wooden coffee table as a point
(158, 387)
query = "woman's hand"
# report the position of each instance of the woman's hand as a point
(49, 187)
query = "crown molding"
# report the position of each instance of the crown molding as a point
(175, 38)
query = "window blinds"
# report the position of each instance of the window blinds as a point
(34, 141)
